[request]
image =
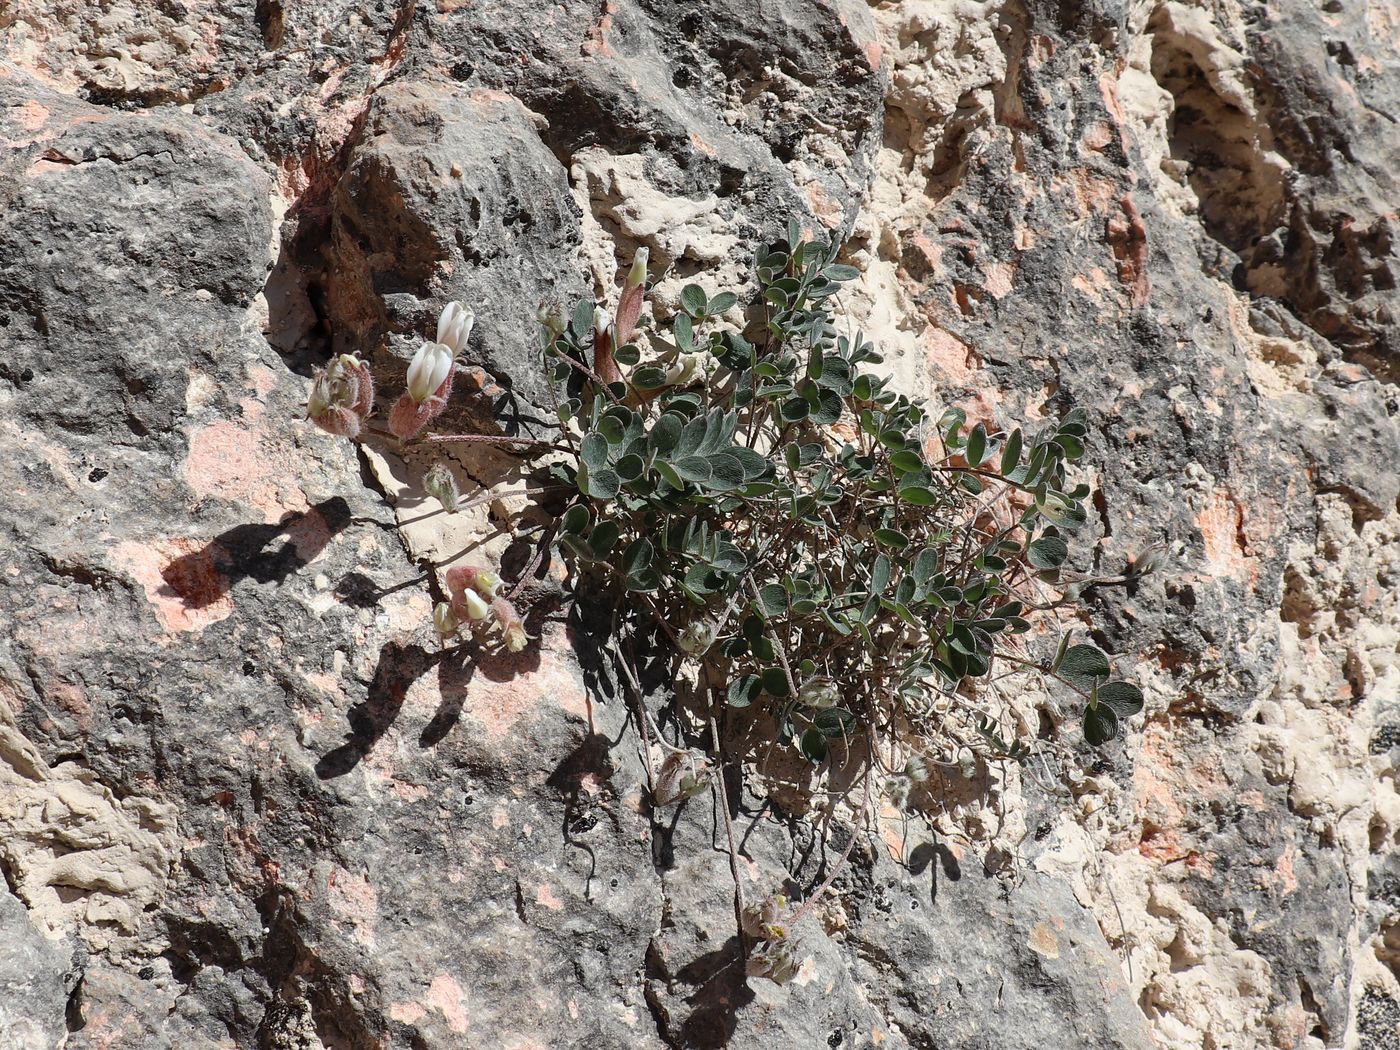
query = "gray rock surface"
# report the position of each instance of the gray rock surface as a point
(236, 770)
(33, 995)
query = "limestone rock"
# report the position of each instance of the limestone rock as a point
(247, 801)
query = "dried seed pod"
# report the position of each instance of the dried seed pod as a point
(680, 775)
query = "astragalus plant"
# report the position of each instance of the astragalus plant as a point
(847, 571)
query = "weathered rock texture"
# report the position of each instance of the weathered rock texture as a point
(244, 800)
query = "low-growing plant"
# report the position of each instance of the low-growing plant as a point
(847, 570)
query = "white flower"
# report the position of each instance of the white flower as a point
(819, 692)
(445, 620)
(638, 273)
(682, 370)
(602, 320)
(429, 367)
(455, 326)
(476, 606)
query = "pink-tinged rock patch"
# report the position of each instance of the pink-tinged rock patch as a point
(182, 580)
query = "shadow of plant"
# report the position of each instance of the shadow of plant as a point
(715, 987)
(202, 577)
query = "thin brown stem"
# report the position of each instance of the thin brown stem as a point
(773, 637)
(811, 901)
(728, 832)
(490, 439)
(643, 719)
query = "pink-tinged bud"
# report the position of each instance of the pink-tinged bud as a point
(463, 578)
(409, 416)
(629, 307)
(467, 603)
(767, 920)
(603, 361)
(342, 396)
(680, 775)
(471, 587)
(455, 325)
(511, 625)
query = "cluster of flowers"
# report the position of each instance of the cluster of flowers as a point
(477, 603)
(778, 954)
(342, 400)
(342, 394)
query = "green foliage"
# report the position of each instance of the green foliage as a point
(840, 545)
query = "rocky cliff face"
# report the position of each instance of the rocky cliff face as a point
(244, 800)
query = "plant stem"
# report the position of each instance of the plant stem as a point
(729, 832)
(491, 439)
(811, 901)
(773, 637)
(643, 719)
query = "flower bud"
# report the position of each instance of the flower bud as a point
(1148, 561)
(819, 692)
(916, 769)
(442, 486)
(474, 606)
(637, 275)
(342, 396)
(697, 637)
(512, 627)
(463, 577)
(604, 361)
(445, 620)
(897, 790)
(967, 763)
(471, 588)
(776, 959)
(553, 320)
(454, 326)
(428, 370)
(767, 919)
(680, 775)
(629, 304)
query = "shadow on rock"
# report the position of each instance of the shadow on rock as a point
(457, 667)
(202, 577)
(922, 858)
(399, 667)
(717, 990)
